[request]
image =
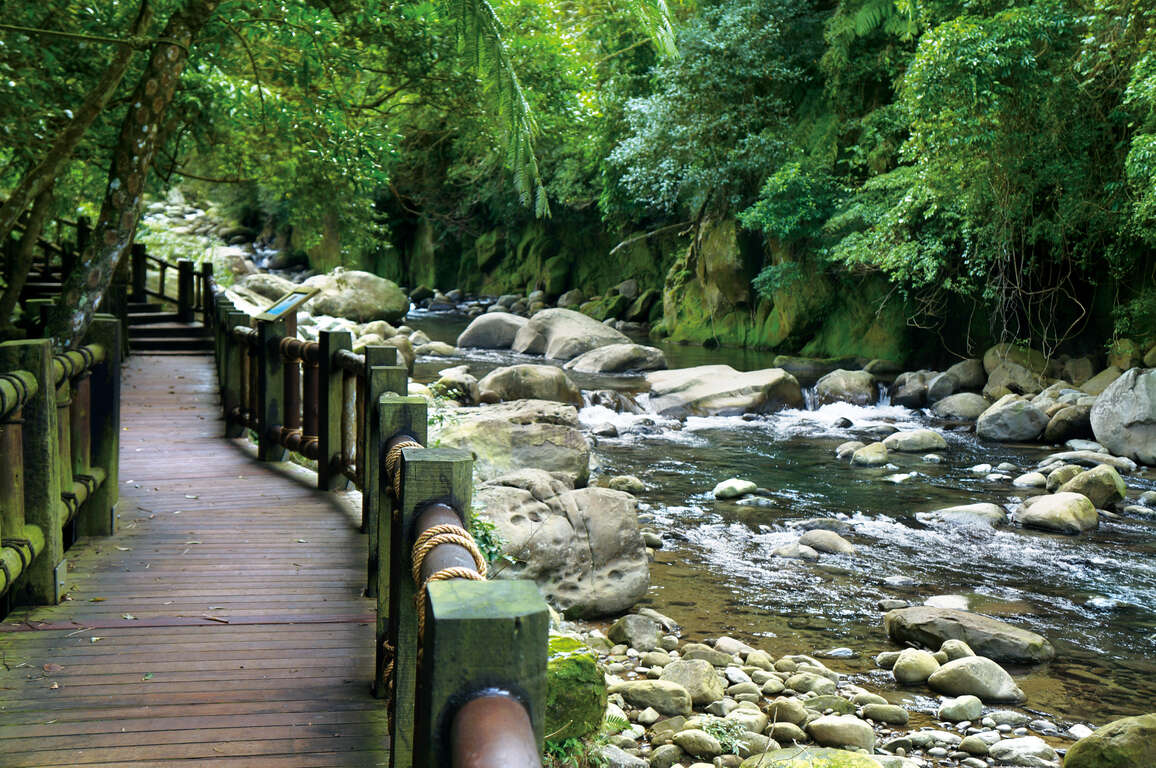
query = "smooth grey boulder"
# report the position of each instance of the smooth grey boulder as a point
(977, 676)
(528, 382)
(1011, 419)
(582, 547)
(356, 295)
(968, 374)
(910, 388)
(267, 285)
(915, 441)
(1027, 751)
(719, 390)
(843, 386)
(930, 627)
(563, 334)
(1071, 422)
(914, 666)
(1124, 416)
(639, 632)
(1090, 459)
(1125, 743)
(873, 455)
(842, 731)
(617, 358)
(826, 541)
(941, 385)
(1060, 512)
(1012, 377)
(494, 330)
(965, 406)
(982, 514)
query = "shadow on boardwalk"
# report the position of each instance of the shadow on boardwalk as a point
(223, 624)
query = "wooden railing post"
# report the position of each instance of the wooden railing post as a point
(398, 415)
(484, 649)
(234, 379)
(185, 299)
(208, 300)
(140, 272)
(381, 375)
(270, 385)
(428, 475)
(99, 517)
(43, 505)
(331, 408)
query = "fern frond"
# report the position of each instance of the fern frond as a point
(654, 16)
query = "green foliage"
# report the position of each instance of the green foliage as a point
(730, 734)
(489, 539)
(573, 753)
(793, 204)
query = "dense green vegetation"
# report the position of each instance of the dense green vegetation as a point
(988, 159)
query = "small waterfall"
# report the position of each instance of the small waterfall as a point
(809, 398)
(884, 398)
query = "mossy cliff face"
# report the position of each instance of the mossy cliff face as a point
(708, 299)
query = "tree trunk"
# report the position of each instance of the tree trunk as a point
(44, 173)
(136, 145)
(25, 255)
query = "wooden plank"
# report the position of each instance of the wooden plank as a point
(286, 681)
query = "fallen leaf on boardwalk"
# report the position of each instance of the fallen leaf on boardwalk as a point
(191, 496)
(96, 599)
(95, 639)
(125, 549)
(215, 607)
(50, 668)
(192, 542)
(54, 685)
(302, 541)
(128, 616)
(216, 618)
(147, 676)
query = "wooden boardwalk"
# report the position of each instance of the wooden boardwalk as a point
(222, 625)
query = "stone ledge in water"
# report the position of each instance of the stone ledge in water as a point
(1061, 512)
(930, 627)
(618, 358)
(1124, 743)
(562, 334)
(720, 390)
(494, 330)
(1089, 459)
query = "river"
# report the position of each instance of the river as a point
(1093, 596)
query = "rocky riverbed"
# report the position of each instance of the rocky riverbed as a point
(788, 509)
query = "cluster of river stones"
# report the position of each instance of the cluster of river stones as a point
(725, 704)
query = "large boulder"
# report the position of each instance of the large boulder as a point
(503, 438)
(528, 382)
(843, 386)
(1011, 377)
(266, 285)
(1126, 743)
(910, 388)
(711, 390)
(494, 330)
(968, 374)
(1102, 485)
(1102, 380)
(1124, 416)
(562, 334)
(964, 406)
(915, 440)
(1058, 512)
(357, 295)
(930, 627)
(575, 689)
(982, 514)
(842, 731)
(1032, 359)
(582, 547)
(811, 757)
(616, 358)
(1011, 420)
(1027, 751)
(976, 676)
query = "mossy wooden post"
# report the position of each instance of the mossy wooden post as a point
(43, 506)
(428, 475)
(221, 306)
(479, 635)
(377, 359)
(234, 364)
(330, 409)
(399, 414)
(206, 283)
(380, 380)
(270, 383)
(185, 289)
(99, 518)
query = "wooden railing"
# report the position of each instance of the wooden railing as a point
(461, 660)
(191, 297)
(59, 454)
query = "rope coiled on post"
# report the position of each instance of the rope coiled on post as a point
(393, 466)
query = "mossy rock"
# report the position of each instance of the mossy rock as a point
(1126, 743)
(575, 690)
(611, 306)
(810, 757)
